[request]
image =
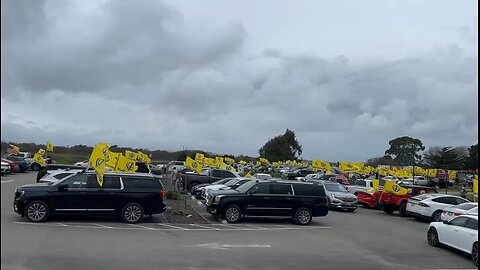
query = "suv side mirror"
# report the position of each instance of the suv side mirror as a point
(62, 187)
(253, 191)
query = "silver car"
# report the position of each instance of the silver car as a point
(338, 196)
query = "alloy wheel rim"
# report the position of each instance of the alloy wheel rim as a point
(232, 214)
(432, 237)
(36, 211)
(437, 217)
(132, 213)
(304, 216)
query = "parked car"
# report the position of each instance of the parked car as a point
(198, 189)
(5, 168)
(360, 185)
(338, 196)
(300, 200)
(232, 184)
(469, 208)
(129, 195)
(207, 176)
(25, 155)
(460, 233)
(82, 163)
(430, 206)
(298, 173)
(417, 180)
(57, 175)
(13, 166)
(262, 176)
(20, 161)
(178, 165)
(390, 201)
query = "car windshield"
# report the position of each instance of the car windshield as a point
(332, 187)
(245, 187)
(466, 206)
(232, 182)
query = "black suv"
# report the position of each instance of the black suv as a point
(129, 195)
(299, 200)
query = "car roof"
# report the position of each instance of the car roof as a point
(470, 216)
(126, 174)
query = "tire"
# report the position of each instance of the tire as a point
(190, 188)
(36, 167)
(388, 209)
(436, 216)
(232, 214)
(37, 211)
(432, 237)
(402, 210)
(475, 253)
(303, 216)
(351, 210)
(132, 213)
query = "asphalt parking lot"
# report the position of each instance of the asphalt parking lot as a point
(365, 239)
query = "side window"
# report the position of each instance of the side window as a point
(141, 183)
(472, 224)
(216, 173)
(262, 189)
(77, 181)
(111, 182)
(459, 221)
(446, 200)
(281, 189)
(92, 182)
(460, 200)
(360, 183)
(309, 190)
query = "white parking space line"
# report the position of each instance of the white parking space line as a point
(205, 227)
(38, 224)
(140, 226)
(200, 203)
(61, 224)
(171, 226)
(7, 181)
(103, 226)
(193, 198)
(231, 227)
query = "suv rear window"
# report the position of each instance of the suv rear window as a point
(141, 183)
(309, 190)
(109, 181)
(280, 189)
(60, 176)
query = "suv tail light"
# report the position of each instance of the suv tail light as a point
(457, 214)
(162, 193)
(423, 204)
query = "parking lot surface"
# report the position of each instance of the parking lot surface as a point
(365, 239)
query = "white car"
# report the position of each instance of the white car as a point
(430, 206)
(232, 184)
(82, 163)
(469, 208)
(5, 168)
(460, 233)
(57, 175)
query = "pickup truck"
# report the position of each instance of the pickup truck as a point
(360, 185)
(207, 176)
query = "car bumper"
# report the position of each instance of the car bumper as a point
(343, 205)
(18, 207)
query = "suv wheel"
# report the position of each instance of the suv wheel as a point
(36, 167)
(232, 214)
(437, 216)
(432, 237)
(190, 189)
(402, 210)
(37, 211)
(303, 216)
(132, 213)
(475, 253)
(388, 209)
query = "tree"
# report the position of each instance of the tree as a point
(405, 150)
(444, 158)
(471, 162)
(282, 147)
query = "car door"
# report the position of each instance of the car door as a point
(467, 235)
(280, 200)
(103, 199)
(255, 203)
(449, 234)
(72, 198)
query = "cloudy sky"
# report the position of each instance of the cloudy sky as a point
(225, 76)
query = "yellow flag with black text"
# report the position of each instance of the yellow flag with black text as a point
(98, 160)
(125, 164)
(193, 165)
(112, 158)
(131, 155)
(395, 188)
(49, 147)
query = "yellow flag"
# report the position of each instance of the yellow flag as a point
(125, 164)
(248, 175)
(143, 157)
(112, 158)
(98, 160)
(224, 166)
(475, 185)
(49, 147)
(199, 157)
(39, 159)
(394, 188)
(193, 165)
(131, 155)
(41, 151)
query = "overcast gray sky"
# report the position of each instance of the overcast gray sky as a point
(225, 76)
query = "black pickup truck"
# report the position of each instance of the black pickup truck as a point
(207, 176)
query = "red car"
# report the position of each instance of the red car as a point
(13, 166)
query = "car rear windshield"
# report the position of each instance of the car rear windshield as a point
(332, 187)
(309, 190)
(466, 206)
(141, 183)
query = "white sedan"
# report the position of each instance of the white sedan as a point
(431, 205)
(469, 208)
(460, 233)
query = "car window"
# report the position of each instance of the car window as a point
(92, 182)
(77, 181)
(332, 187)
(446, 200)
(216, 173)
(111, 182)
(461, 200)
(60, 176)
(262, 188)
(140, 183)
(283, 189)
(360, 183)
(309, 190)
(459, 221)
(472, 224)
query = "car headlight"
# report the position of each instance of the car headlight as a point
(19, 192)
(217, 198)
